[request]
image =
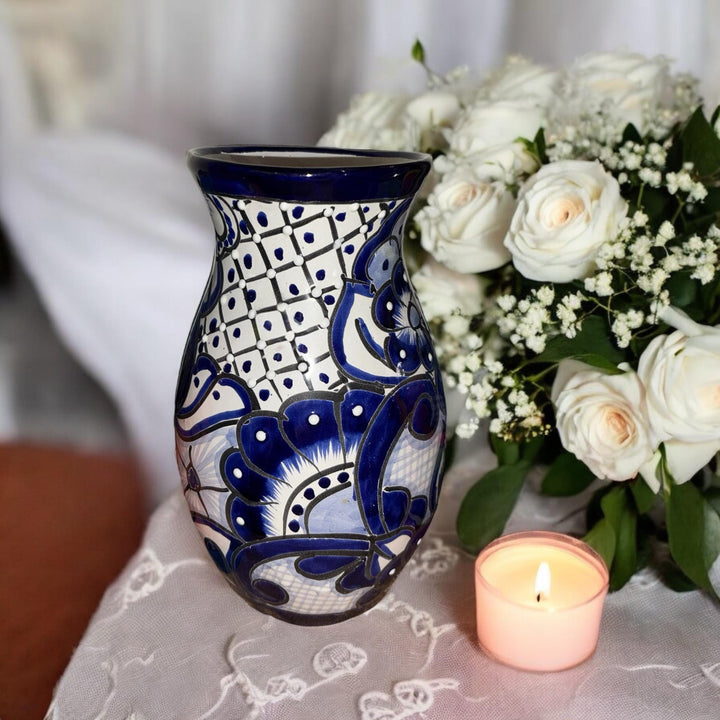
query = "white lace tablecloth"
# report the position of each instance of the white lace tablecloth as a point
(172, 640)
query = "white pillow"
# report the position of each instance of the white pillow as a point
(115, 235)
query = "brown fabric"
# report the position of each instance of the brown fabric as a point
(70, 521)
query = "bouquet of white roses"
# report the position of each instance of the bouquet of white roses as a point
(568, 267)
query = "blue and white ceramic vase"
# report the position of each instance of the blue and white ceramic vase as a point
(310, 418)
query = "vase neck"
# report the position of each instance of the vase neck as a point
(270, 236)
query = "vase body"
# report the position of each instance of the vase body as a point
(310, 419)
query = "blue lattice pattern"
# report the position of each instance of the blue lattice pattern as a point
(281, 281)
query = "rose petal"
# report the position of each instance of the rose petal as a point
(684, 459)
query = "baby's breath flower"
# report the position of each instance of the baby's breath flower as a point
(600, 284)
(653, 282)
(623, 325)
(465, 430)
(704, 273)
(657, 305)
(650, 177)
(666, 232)
(545, 294)
(488, 353)
(507, 302)
(671, 263)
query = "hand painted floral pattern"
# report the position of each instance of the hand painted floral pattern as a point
(310, 499)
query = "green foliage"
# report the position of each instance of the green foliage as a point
(566, 476)
(631, 134)
(700, 145)
(677, 531)
(602, 539)
(592, 345)
(673, 576)
(683, 290)
(713, 498)
(506, 451)
(615, 533)
(487, 506)
(621, 516)
(693, 528)
(418, 52)
(537, 147)
(643, 496)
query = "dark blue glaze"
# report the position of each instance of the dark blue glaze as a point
(222, 171)
(310, 443)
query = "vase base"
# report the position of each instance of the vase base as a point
(367, 602)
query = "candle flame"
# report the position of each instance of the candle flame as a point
(542, 581)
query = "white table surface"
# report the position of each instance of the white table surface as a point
(172, 640)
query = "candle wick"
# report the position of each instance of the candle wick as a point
(538, 597)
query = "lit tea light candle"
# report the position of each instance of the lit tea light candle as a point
(539, 600)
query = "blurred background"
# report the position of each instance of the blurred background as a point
(106, 241)
(105, 245)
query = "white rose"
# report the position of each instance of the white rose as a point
(495, 123)
(565, 212)
(465, 221)
(509, 163)
(433, 112)
(519, 79)
(681, 375)
(625, 84)
(443, 292)
(376, 121)
(602, 420)
(503, 162)
(434, 108)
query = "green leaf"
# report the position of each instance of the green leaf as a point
(654, 204)
(710, 205)
(661, 470)
(418, 52)
(712, 497)
(631, 134)
(566, 476)
(613, 505)
(530, 449)
(646, 532)
(686, 524)
(593, 510)
(673, 576)
(625, 561)
(674, 154)
(540, 146)
(506, 451)
(592, 344)
(600, 362)
(602, 539)
(683, 290)
(621, 516)
(714, 117)
(488, 504)
(643, 495)
(701, 146)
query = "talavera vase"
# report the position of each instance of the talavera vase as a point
(310, 419)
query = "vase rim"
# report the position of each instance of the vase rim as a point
(308, 173)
